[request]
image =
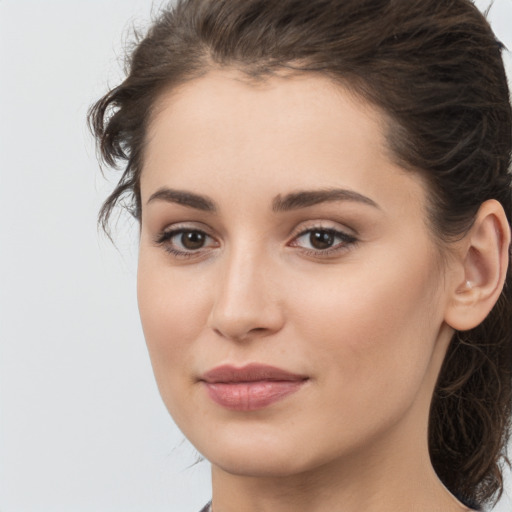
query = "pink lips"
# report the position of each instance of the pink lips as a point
(251, 387)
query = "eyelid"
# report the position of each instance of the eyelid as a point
(183, 226)
(348, 239)
(163, 239)
(167, 234)
(325, 225)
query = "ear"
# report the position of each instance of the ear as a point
(481, 268)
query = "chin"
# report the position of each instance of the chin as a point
(262, 452)
(261, 463)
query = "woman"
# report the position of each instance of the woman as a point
(324, 200)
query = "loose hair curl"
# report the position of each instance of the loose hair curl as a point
(434, 68)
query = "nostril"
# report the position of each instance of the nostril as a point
(242, 313)
(242, 335)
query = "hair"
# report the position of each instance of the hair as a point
(434, 68)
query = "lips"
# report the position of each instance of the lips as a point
(251, 387)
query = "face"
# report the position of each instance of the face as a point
(289, 287)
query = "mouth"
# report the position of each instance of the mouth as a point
(252, 387)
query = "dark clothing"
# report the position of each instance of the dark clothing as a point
(469, 503)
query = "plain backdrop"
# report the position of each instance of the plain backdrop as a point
(82, 427)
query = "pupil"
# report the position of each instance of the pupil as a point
(192, 240)
(321, 239)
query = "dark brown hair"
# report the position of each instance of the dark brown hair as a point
(434, 68)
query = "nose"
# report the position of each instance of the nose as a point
(245, 304)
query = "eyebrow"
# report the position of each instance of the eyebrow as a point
(184, 198)
(292, 201)
(306, 198)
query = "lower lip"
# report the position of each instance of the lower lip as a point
(251, 396)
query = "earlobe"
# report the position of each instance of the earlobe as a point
(484, 261)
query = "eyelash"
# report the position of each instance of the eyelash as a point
(345, 242)
(165, 237)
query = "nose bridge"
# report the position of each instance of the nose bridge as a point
(245, 301)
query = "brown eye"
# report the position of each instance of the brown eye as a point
(321, 239)
(184, 242)
(192, 240)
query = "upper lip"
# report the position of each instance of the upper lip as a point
(249, 373)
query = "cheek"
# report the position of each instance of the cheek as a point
(372, 329)
(173, 314)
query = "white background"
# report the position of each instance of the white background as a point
(82, 427)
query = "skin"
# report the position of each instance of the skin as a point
(363, 320)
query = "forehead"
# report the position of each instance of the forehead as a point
(303, 131)
(231, 96)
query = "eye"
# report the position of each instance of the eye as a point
(185, 242)
(323, 241)
(191, 240)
